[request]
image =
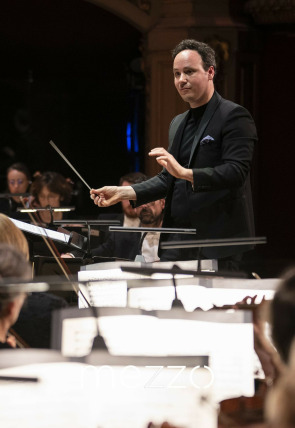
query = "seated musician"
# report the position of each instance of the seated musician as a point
(282, 322)
(50, 189)
(128, 245)
(128, 217)
(12, 264)
(18, 181)
(34, 321)
(279, 408)
(277, 360)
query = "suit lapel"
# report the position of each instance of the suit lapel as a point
(211, 107)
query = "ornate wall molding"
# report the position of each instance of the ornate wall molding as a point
(271, 11)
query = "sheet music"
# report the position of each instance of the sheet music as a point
(209, 265)
(225, 337)
(115, 274)
(158, 297)
(106, 274)
(77, 336)
(82, 396)
(41, 231)
(104, 294)
(192, 296)
(229, 346)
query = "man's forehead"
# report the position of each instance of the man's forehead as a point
(186, 58)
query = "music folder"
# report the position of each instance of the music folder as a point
(68, 238)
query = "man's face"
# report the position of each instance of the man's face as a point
(126, 207)
(151, 214)
(193, 83)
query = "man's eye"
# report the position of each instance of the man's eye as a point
(189, 72)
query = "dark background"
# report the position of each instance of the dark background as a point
(68, 73)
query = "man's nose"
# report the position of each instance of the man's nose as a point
(183, 77)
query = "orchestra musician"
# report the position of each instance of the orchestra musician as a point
(34, 321)
(18, 181)
(12, 264)
(205, 177)
(128, 217)
(50, 189)
(12, 235)
(127, 245)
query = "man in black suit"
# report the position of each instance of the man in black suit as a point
(205, 176)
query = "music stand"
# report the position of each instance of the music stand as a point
(86, 223)
(47, 208)
(67, 238)
(11, 195)
(145, 230)
(200, 244)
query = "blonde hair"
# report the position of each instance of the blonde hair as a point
(12, 235)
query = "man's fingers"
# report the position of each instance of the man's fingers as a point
(158, 151)
(102, 202)
(96, 191)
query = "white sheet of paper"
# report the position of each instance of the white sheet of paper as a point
(41, 231)
(229, 344)
(82, 396)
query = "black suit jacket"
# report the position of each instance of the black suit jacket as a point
(220, 202)
(121, 245)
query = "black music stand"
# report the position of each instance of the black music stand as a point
(87, 223)
(47, 208)
(145, 230)
(11, 195)
(200, 244)
(7, 205)
(63, 237)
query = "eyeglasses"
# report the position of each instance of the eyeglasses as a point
(13, 182)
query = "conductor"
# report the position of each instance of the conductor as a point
(205, 177)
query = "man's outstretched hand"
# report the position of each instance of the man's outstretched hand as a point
(110, 195)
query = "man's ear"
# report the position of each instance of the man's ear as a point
(163, 203)
(211, 72)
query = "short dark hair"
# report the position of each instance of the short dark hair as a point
(205, 51)
(133, 178)
(21, 167)
(283, 315)
(55, 182)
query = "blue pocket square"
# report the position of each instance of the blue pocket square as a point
(206, 140)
